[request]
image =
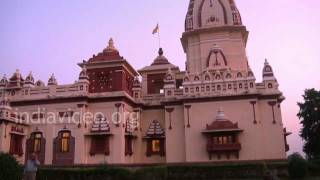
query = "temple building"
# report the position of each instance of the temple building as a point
(213, 111)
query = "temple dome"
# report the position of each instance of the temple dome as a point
(211, 13)
(161, 59)
(110, 53)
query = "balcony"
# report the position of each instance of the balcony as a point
(223, 147)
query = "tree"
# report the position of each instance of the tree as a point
(9, 168)
(309, 115)
(298, 166)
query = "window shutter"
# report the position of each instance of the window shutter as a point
(42, 153)
(130, 146)
(29, 148)
(19, 144)
(149, 147)
(12, 145)
(93, 147)
(107, 147)
(162, 147)
(126, 146)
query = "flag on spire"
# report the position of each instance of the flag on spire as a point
(156, 29)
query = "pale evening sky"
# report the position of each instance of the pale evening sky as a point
(52, 36)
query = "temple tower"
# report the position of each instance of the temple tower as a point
(214, 37)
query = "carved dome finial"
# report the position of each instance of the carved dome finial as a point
(110, 46)
(160, 52)
(161, 59)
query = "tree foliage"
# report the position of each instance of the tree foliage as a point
(298, 166)
(309, 116)
(9, 168)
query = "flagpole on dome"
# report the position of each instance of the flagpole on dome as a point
(157, 30)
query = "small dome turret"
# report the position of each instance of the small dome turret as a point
(136, 82)
(4, 81)
(40, 83)
(267, 70)
(83, 74)
(52, 81)
(29, 79)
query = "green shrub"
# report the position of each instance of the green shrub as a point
(170, 172)
(101, 173)
(151, 173)
(298, 166)
(314, 167)
(9, 168)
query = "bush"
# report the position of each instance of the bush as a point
(298, 166)
(9, 168)
(314, 167)
(101, 173)
(172, 172)
(151, 173)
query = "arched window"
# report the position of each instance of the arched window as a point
(37, 142)
(270, 85)
(218, 87)
(186, 90)
(207, 78)
(251, 85)
(196, 78)
(239, 75)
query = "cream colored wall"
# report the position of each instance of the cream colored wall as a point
(261, 141)
(175, 138)
(146, 118)
(231, 43)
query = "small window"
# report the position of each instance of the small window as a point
(218, 87)
(251, 85)
(65, 142)
(155, 146)
(207, 78)
(186, 90)
(197, 89)
(270, 86)
(240, 86)
(229, 86)
(136, 95)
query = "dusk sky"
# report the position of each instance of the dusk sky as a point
(52, 36)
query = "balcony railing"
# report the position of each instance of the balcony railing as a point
(223, 147)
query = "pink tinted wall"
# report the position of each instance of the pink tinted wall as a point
(52, 36)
